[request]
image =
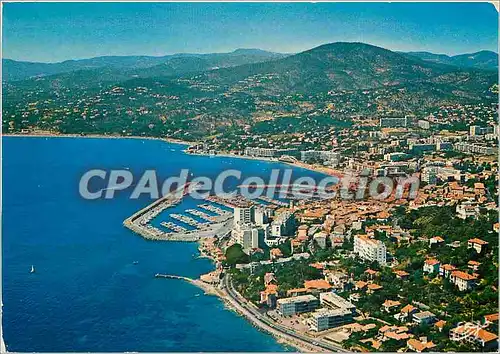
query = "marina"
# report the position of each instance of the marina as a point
(200, 214)
(272, 201)
(141, 221)
(173, 226)
(186, 220)
(213, 209)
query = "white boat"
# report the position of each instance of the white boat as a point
(32, 269)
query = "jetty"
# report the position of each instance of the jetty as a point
(206, 287)
(139, 221)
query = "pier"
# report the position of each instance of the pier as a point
(186, 220)
(200, 214)
(213, 209)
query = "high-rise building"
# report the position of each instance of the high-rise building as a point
(249, 236)
(244, 215)
(283, 224)
(262, 215)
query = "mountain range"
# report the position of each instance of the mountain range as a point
(333, 67)
(117, 68)
(164, 65)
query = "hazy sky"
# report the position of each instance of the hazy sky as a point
(52, 32)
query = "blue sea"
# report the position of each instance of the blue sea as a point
(86, 293)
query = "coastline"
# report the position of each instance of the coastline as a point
(97, 136)
(323, 170)
(319, 169)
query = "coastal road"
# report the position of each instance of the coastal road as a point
(269, 325)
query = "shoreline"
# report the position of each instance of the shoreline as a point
(222, 295)
(323, 170)
(98, 136)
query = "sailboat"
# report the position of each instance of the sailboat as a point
(32, 269)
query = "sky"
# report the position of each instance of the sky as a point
(53, 32)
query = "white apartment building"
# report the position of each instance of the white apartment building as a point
(262, 215)
(249, 236)
(370, 249)
(298, 304)
(336, 311)
(283, 224)
(267, 152)
(474, 148)
(331, 157)
(467, 210)
(324, 319)
(244, 215)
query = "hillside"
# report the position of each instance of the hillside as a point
(347, 66)
(480, 60)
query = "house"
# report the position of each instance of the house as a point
(401, 274)
(317, 285)
(431, 265)
(426, 317)
(354, 297)
(419, 346)
(473, 265)
(269, 278)
(464, 281)
(336, 240)
(467, 210)
(489, 319)
(371, 273)
(360, 285)
(440, 325)
(394, 332)
(320, 239)
(473, 333)
(390, 305)
(479, 189)
(275, 253)
(436, 240)
(373, 287)
(446, 269)
(302, 231)
(338, 280)
(269, 296)
(478, 244)
(406, 313)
